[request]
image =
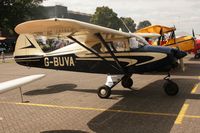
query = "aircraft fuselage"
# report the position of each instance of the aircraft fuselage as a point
(146, 59)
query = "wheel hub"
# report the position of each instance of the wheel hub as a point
(103, 92)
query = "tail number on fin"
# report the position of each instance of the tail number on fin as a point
(59, 61)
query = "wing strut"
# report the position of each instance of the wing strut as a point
(94, 52)
(99, 36)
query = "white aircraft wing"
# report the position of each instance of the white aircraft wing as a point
(83, 32)
(12, 84)
(2, 38)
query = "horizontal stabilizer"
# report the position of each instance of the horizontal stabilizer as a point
(13, 84)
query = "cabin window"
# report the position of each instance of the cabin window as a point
(48, 44)
(115, 46)
(135, 43)
(120, 45)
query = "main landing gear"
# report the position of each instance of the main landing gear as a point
(112, 80)
(170, 87)
(127, 82)
(104, 91)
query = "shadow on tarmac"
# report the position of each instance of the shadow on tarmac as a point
(151, 99)
(51, 89)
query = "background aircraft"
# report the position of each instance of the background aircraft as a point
(71, 45)
(196, 50)
(168, 37)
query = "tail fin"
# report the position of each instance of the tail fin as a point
(26, 46)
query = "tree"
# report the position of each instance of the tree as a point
(14, 12)
(143, 24)
(129, 22)
(105, 16)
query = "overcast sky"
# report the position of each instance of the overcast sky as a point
(184, 14)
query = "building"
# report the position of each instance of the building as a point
(60, 11)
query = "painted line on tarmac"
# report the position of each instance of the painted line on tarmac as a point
(181, 114)
(194, 89)
(93, 109)
(192, 116)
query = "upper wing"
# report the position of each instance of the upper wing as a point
(156, 29)
(149, 35)
(12, 84)
(83, 32)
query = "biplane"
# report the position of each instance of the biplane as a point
(71, 45)
(168, 37)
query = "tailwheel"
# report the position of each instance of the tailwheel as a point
(104, 91)
(127, 82)
(170, 88)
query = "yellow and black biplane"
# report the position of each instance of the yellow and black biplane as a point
(168, 37)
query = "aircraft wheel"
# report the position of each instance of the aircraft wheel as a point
(127, 82)
(104, 91)
(170, 88)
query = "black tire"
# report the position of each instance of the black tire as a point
(104, 91)
(127, 82)
(171, 88)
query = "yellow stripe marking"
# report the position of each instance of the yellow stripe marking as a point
(192, 116)
(194, 89)
(181, 114)
(179, 119)
(92, 109)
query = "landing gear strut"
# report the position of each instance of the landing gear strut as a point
(112, 80)
(170, 87)
(105, 90)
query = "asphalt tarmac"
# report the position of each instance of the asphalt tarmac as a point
(66, 102)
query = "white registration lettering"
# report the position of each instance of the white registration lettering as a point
(55, 60)
(46, 61)
(71, 62)
(60, 61)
